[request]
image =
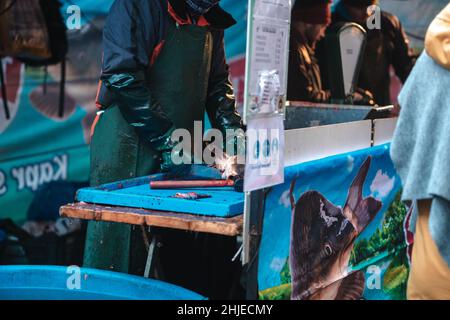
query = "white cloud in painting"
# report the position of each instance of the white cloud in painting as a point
(284, 199)
(382, 184)
(277, 264)
(350, 163)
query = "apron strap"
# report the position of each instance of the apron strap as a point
(5, 98)
(62, 84)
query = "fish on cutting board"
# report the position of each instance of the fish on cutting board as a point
(190, 196)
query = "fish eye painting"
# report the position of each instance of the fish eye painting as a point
(335, 230)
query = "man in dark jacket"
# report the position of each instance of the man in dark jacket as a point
(163, 68)
(385, 47)
(153, 50)
(310, 18)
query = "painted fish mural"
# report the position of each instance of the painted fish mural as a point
(334, 230)
(322, 239)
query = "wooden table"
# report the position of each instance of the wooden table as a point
(152, 218)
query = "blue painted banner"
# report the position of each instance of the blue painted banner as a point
(36, 145)
(334, 230)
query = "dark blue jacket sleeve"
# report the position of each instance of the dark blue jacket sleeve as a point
(132, 30)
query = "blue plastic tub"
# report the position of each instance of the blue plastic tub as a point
(63, 283)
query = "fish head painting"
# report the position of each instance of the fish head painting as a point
(322, 239)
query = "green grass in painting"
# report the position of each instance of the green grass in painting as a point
(388, 237)
(282, 292)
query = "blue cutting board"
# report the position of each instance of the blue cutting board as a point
(136, 193)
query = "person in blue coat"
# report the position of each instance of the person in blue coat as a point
(163, 68)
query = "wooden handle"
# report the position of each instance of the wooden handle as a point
(173, 184)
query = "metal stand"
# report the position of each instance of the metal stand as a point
(253, 222)
(152, 255)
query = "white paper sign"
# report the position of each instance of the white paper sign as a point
(268, 55)
(268, 94)
(273, 9)
(265, 152)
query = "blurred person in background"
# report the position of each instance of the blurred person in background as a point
(310, 19)
(385, 47)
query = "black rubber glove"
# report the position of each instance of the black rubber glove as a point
(363, 98)
(139, 108)
(221, 105)
(145, 114)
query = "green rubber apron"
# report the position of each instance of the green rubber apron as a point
(179, 81)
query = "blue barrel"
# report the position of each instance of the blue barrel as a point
(73, 283)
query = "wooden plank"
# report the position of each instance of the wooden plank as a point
(223, 226)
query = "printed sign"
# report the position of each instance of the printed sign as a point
(267, 57)
(265, 152)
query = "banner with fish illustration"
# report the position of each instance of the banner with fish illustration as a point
(335, 230)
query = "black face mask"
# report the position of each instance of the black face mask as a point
(200, 7)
